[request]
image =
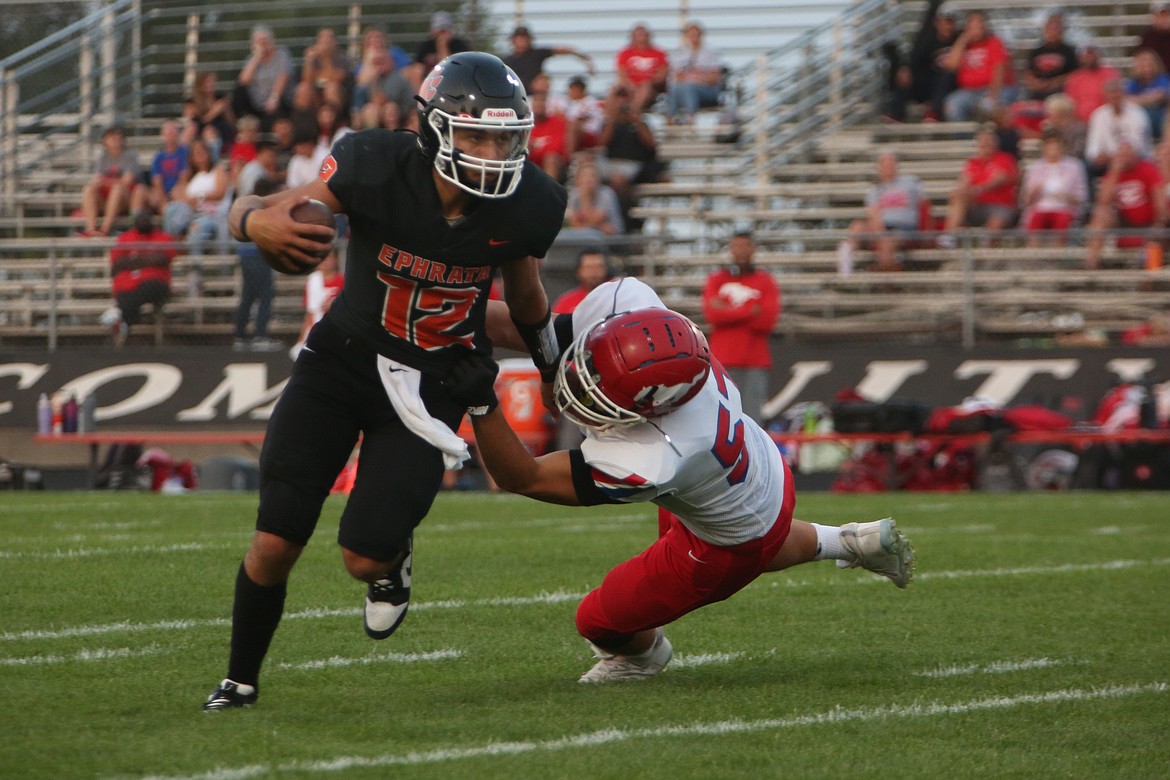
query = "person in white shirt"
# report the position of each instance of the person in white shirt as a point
(662, 423)
(696, 76)
(1120, 119)
(1055, 191)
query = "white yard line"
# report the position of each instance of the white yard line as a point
(386, 658)
(685, 729)
(83, 656)
(89, 552)
(559, 597)
(994, 667)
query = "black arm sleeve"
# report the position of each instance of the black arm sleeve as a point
(587, 492)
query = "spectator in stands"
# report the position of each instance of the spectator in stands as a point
(984, 76)
(1130, 195)
(380, 78)
(257, 289)
(546, 143)
(110, 190)
(1086, 84)
(321, 288)
(986, 193)
(244, 147)
(1055, 190)
(199, 206)
(593, 270)
(1005, 130)
(332, 124)
(592, 205)
(324, 63)
(696, 76)
(741, 304)
(140, 271)
(1156, 37)
(1149, 87)
(528, 60)
(307, 157)
(1060, 113)
(893, 206)
(265, 165)
(206, 107)
(264, 86)
(282, 132)
(165, 169)
(1050, 63)
(630, 151)
(584, 113)
(441, 44)
(925, 79)
(1120, 119)
(642, 68)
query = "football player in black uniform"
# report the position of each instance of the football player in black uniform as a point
(432, 217)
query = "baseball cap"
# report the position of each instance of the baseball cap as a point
(947, 10)
(521, 30)
(578, 81)
(441, 20)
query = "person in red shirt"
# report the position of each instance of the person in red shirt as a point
(986, 193)
(741, 304)
(1086, 84)
(1129, 195)
(592, 271)
(550, 133)
(140, 267)
(642, 67)
(983, 71)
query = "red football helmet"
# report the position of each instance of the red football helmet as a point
(630, 367)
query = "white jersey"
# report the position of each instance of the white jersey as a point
(706, 462)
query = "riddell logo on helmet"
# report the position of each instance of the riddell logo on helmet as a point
(499, 113)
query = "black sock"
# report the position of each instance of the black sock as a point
(256, 613)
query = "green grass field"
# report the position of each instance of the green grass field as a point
(1034, 642)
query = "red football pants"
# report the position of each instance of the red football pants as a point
(677, 574)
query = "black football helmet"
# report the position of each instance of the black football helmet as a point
(475, 91)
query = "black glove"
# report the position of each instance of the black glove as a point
(472, 382)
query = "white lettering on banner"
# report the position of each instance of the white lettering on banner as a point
(245, 385)
(28, 374)
(802, 374)
(884, 377)
(162, 381)
(1130, 369)
(1007, 377)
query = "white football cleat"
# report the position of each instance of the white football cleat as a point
(610, 667)
(881, 548)
(388, 599)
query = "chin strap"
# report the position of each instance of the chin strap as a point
(541, 340)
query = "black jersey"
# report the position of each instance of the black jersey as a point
(415, 284)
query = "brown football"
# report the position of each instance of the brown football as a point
(311, 212)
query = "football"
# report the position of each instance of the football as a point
(311, 212)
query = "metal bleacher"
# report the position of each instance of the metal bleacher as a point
(795, 168)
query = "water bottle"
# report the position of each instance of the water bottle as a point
(44, 414)
(88, 411)
(58, 419)
(69, 415)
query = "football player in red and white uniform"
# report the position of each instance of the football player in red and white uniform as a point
(662, 423)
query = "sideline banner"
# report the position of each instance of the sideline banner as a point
(208, 387)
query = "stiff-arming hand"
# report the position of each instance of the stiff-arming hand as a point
(472, 382)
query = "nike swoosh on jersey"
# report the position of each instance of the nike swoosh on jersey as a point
(693, 558)
(495, 242)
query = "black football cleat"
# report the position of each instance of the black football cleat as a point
(230, 695)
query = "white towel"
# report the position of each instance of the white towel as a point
(401, 383)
